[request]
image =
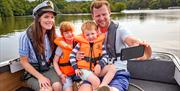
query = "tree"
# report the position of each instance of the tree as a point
(118, 7)
(154, 4)
(5, 8)
(178, 2)
(165, 3)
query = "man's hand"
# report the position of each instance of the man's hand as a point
(79, 55)
(133, 41)
(78, 72)
(147, 51)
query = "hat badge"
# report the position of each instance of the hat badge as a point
(50, 4)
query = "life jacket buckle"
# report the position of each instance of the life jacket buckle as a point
(111, 60)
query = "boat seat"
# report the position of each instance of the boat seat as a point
(153, 70)
(153, 75)
(153, 86)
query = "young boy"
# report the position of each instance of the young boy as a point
(91, 44)
(61, 60)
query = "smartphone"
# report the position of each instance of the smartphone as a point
(132, 52)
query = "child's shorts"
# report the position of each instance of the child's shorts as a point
(68, 83)
(86, 74)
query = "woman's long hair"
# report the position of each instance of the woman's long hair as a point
(38, 36)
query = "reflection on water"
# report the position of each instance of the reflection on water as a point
(13, 24)
(160, 28)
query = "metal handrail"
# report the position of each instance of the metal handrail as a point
(174, 58)
(7, 62)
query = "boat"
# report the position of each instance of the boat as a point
(159, 73)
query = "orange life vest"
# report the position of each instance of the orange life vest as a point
(64, 63)
(85, 47)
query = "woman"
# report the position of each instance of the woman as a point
(35, 49)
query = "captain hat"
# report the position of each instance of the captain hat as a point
(46, 6)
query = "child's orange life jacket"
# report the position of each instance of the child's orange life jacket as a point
(96, 53)
(64, 63)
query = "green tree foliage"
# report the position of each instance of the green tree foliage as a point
(118, 7)
(178, 2)
(5, 8)
(151, 4)
(24, 7)
(165, 3)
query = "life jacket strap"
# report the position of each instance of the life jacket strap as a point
(113, 59)
(65, 64)
(93, 60)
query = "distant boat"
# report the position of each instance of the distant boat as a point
(174, 7)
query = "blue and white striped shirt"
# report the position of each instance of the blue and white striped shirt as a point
(26, 49)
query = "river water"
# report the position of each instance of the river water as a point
(161, 28)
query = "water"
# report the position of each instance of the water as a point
(161, 28)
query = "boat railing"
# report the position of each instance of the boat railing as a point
(172, 56)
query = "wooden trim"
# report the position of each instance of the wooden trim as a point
(11, 81)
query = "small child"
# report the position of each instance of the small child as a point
(90, 43)
(91, 47)
(61, 60)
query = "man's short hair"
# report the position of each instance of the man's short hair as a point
(98, 4)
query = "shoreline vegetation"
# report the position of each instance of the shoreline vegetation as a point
(10, 8)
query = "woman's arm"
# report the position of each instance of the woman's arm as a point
(43, 81)
(28, 67)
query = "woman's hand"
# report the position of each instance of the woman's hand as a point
(78, 72)
(44, 82)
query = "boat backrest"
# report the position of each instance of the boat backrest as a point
(152, 70)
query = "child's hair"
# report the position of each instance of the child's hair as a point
(66, 26)
(89, 25)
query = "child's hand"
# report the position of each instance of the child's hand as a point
(63, 78)
(78, 72)
(97, 69)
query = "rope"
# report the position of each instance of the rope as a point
(136, 86)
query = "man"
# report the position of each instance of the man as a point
(116, 39)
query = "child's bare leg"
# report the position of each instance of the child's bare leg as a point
(94, 80)
(108, 72)
(68, 89)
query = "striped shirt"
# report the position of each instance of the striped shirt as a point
(103, 61)
(26, 49)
